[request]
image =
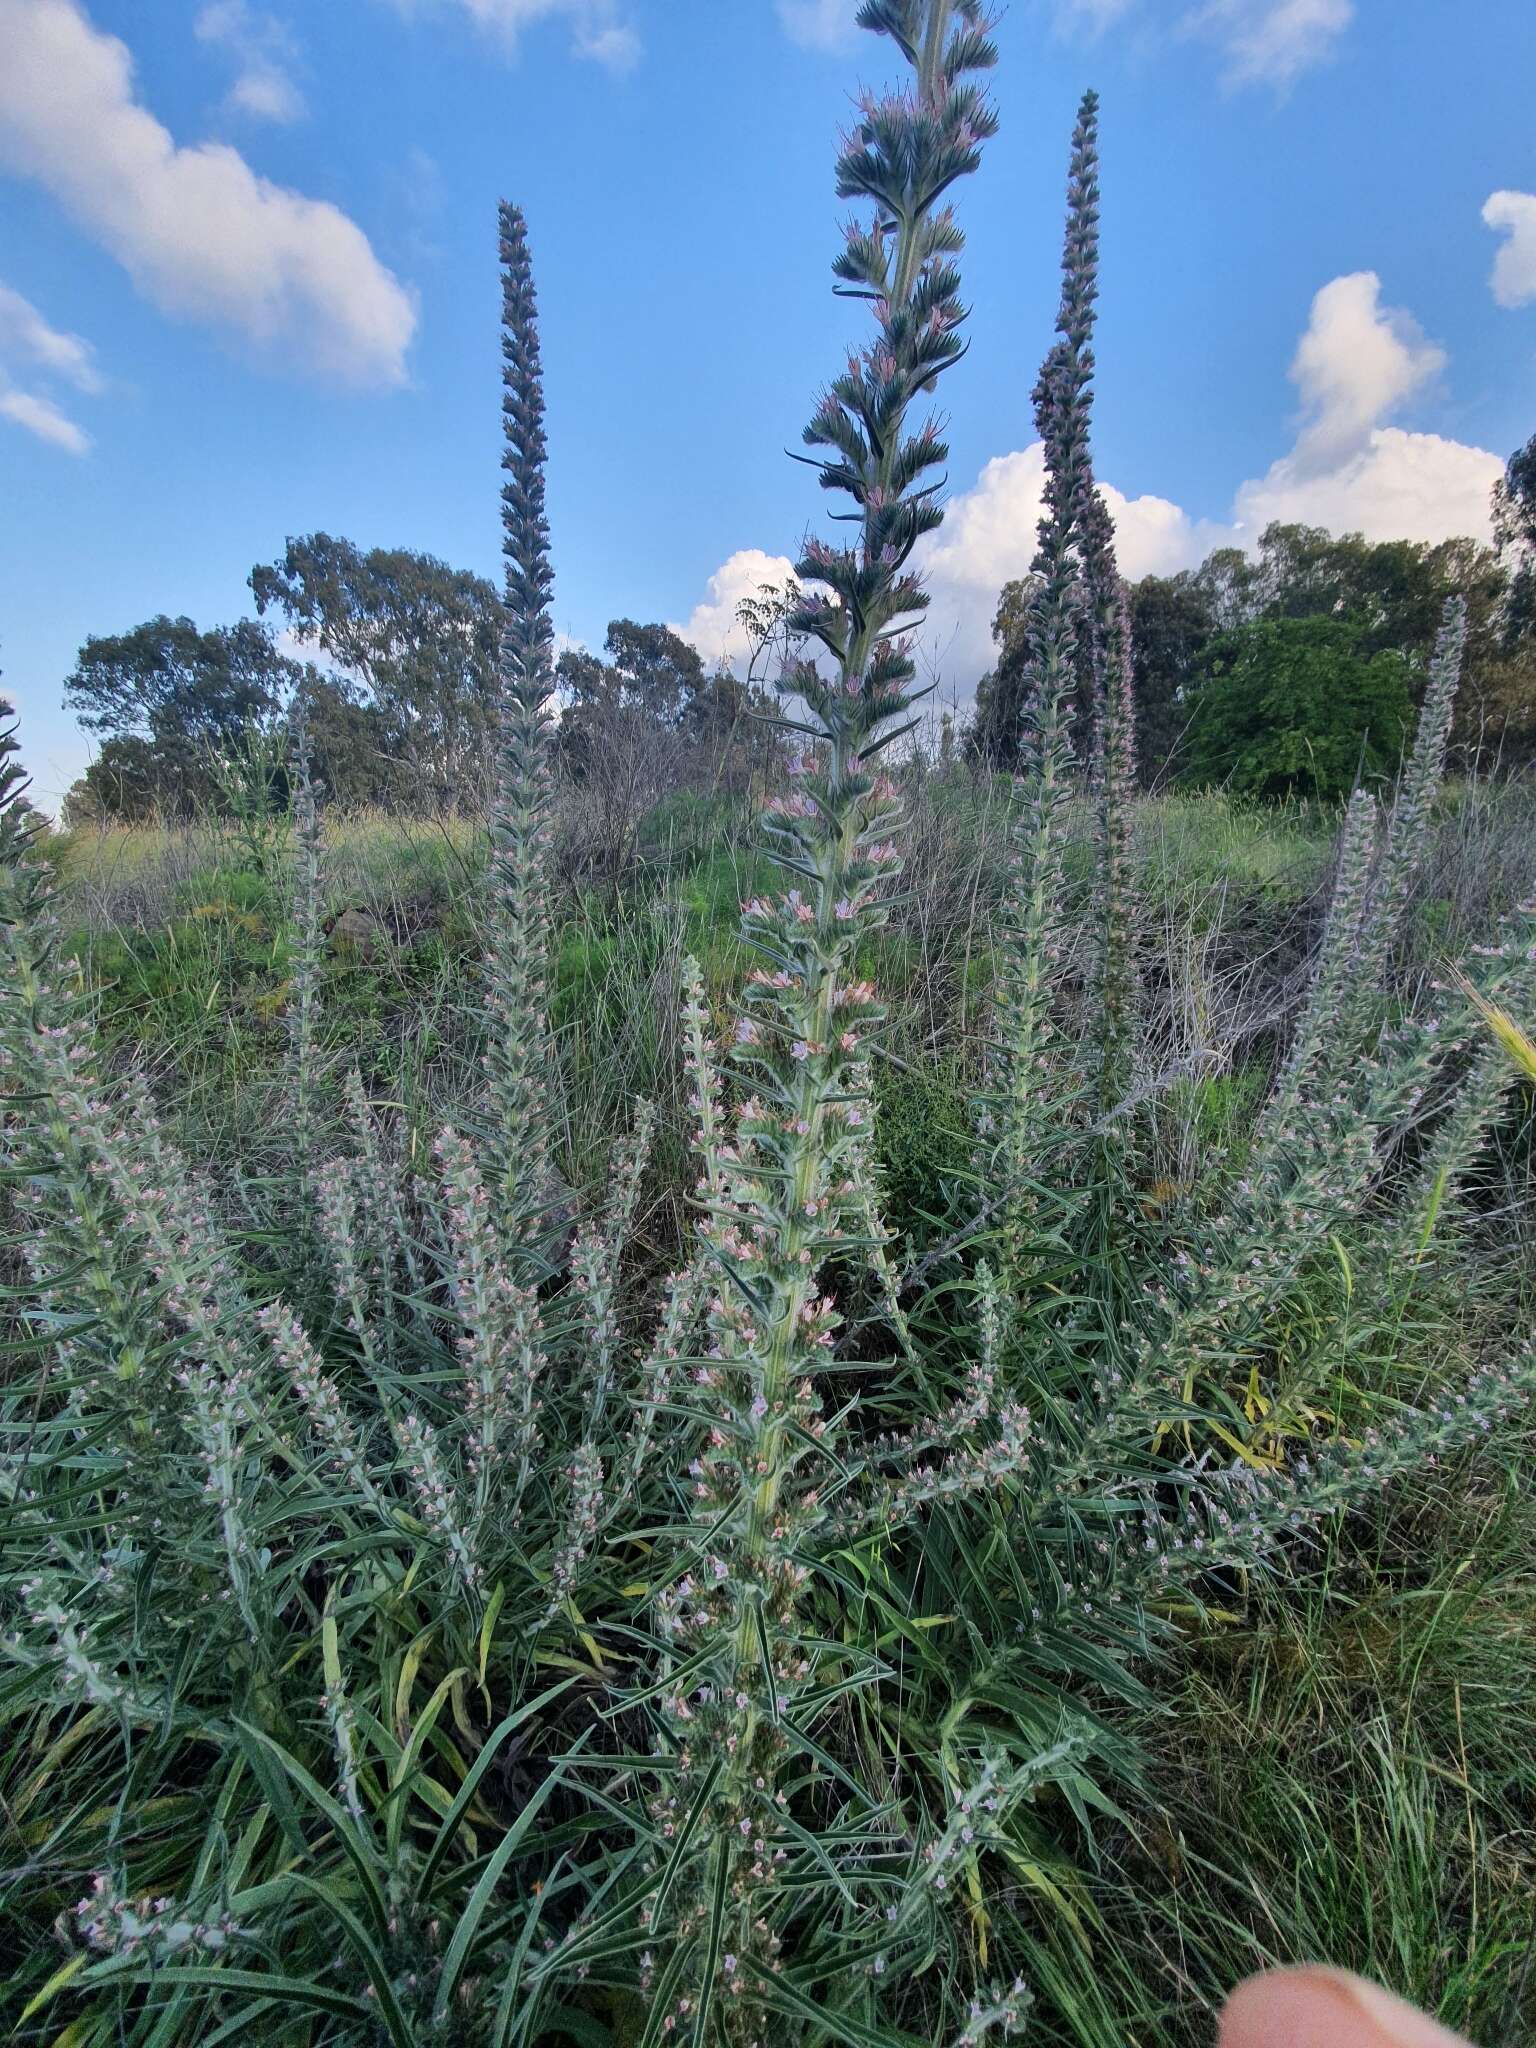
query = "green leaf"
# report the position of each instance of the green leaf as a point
(466, 1792)
(719, 1898)
(474, 1911)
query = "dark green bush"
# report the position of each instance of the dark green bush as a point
(1292, 707)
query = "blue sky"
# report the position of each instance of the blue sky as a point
(248, 289)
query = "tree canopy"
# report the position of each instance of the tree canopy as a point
(1389, 593)
(648, 680)
(418, 637)
(164, 696)
(1298, 707)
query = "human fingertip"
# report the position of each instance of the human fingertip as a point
(1318, 2007)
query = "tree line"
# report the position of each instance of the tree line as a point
(391, 656)
(1291, 670)
(1298, 668)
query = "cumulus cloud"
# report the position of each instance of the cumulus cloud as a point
(1271, 42)
(1397, 486)
(40, 416)
(199, 232)
(265, 56)
(988, 538)
(819, 24)
(600, 29)
(1356, 364)
(712, 625)
(30, 346)
(1514, 268)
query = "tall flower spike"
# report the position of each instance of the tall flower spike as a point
(1103, 640)
(790, 1201)
(1414, 802)
(1032, 1082)
(304, 1008)
(517, 945)
(1371, 891)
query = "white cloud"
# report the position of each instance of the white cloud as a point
(30, 346)
(1396, 486)
(1356, 362)
(989, 537)
(617, 47)
(266, 57)
(1264, 42)
(1271, 42)
(600, 29)
(1514, 268)
(712, 625)
(1355, 365)
(819, 24)
(1094, 15)
(200, 233)
(40, 416)
(26, 337)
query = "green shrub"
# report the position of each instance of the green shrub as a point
(1292, 707)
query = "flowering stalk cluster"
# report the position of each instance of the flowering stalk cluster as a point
(1103, 637)
(690, 1287)
(1451, 1155)
(437, 1496)
(158, 1929)
(1078, 628)
(1031, 1078)
(144, 1212)
(1371, 888)
(1414, 799)
(501, 1341)
(414, 1488)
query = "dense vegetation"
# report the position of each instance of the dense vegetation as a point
(889, 1414)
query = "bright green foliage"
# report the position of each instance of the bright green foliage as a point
(1292, 707)
(1392, 592)
(1171, 626)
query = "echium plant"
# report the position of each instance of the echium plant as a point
(517, 945)
(1104, 635)
(1033, 1078)
(1079, 660)
(304, 973)
(405, 1660)
(742, 1686)
(270, 1508)
(780, 1884)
